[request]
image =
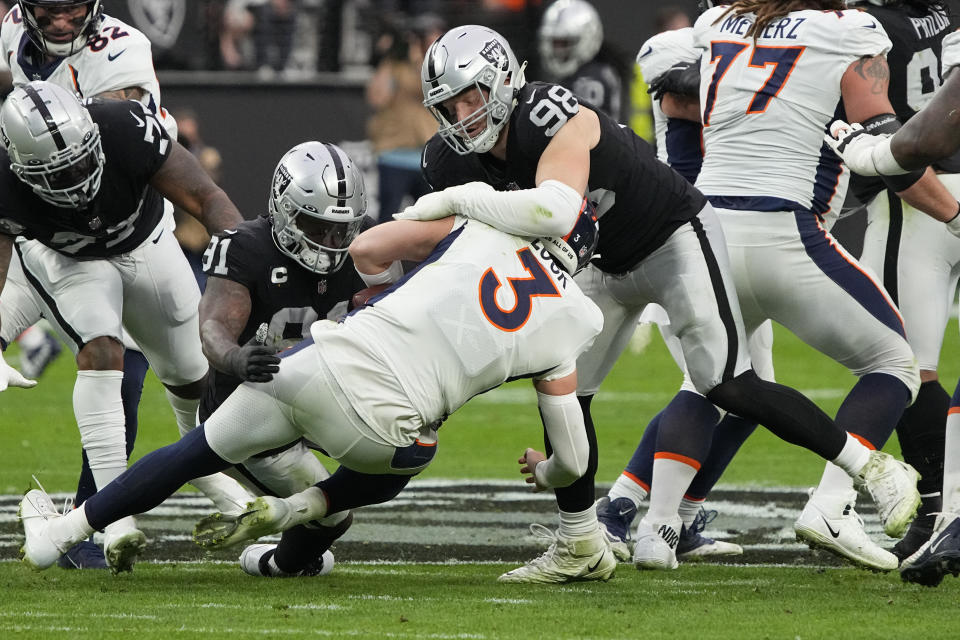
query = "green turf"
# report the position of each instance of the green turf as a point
(483, 440)
(465, 601)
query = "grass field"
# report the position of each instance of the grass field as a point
(182, 593)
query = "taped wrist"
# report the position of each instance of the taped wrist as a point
(563, 421)
(388, 276)
(550, 209)
(895, 177)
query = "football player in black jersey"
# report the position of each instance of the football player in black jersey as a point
(88, 183)
(659, 242)
(573, 53)
(268, 281)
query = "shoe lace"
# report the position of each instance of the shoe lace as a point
(542, 532)
(67, 503)
(700, 522)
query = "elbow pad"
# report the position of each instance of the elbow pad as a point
(550, 209)
(889, 124)
(563, 421)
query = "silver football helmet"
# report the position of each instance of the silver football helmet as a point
(575, 250)
(317, 204)
(84, 28)
(465, 58)
(53, 144)
(570, 35)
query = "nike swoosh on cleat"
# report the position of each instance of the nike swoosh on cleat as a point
(936, 545)
(113, 56)
(835, 534)
(593, 568)
(624, 512)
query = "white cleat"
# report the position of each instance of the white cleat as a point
(566, 560)
(255, 561)
(893, 486)
(831, 523)
(39, 550)
(263, 516)
(656, 544)
(122, 545)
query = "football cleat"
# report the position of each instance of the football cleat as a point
(263, 516)
(693, 545)
(893, 486)
(255, 560)
(938, 557)
(83, 555)
(919, 532)
(122, 545)
(33, 362)
(566, 560)
(656, 546)
(616, 517)
(36, 512)
(832, 524)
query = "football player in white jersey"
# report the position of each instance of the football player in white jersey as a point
(772, 76)
(930, 136)
(73, 44)
(482, 307)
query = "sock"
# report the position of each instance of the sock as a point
(921, 435)
(134, 371)
(689, 508)
(71, 528)
(835, 483)
(951, 462)
(731, 432)
(671, 477)
(99, 412)
(873, 407)
(579, 524)
(185, 411)
(153, 479)
(686, 427)
(629, 487)
(853, 457)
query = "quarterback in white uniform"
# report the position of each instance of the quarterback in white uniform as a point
(481, 308)
(770, 85)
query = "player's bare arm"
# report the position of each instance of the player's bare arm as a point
(183, 181)
(675, 105)
(933, 133)
(567, 157)
(129, 93)
(374, 250)
(864, 90)
(224, 312)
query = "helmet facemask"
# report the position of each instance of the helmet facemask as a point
(84, 28)
(317, 206)
(465, 59)
(71, 178)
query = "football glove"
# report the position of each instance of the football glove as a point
(10, 377)
(254, 361)
(682, 79)
(862, 152)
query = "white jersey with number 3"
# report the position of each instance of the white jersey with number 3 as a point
(766, 103)
(485, 307)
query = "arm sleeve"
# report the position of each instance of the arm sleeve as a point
(550, 209)
(563, 422)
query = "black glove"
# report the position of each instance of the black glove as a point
(682, 79)
(253, 362)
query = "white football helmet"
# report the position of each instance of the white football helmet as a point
(570, 35)
(317, 204)
(85, 28)
(53, 144)
(464, 58)
(575, 250)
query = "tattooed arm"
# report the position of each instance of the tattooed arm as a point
(864, 89)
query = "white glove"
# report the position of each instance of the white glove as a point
(10, 377)
(862, 152)
(440, 204)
